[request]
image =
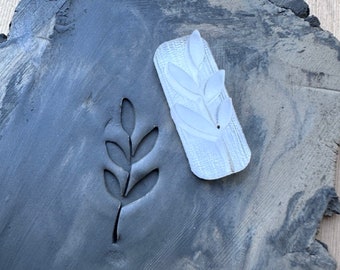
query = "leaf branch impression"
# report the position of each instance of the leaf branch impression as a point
(128, 174)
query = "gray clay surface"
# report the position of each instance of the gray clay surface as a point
(92, 171)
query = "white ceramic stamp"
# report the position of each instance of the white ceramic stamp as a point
(201, 108)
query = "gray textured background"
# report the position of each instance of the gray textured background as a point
(65, 69)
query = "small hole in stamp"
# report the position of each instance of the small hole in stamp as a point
(218, 126)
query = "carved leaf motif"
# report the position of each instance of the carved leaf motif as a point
(194, 119)
(117, 155)
(146, 145)
(214, 85)
(112, 185)
(144, 186)
(224, 112)
(116, 134)
(119, 177)
(182, 78)
(196, 49)
(127, 116)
